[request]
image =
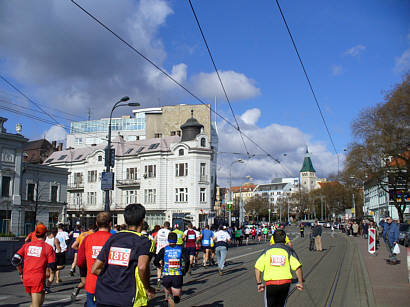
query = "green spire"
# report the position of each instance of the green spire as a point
(307, 163)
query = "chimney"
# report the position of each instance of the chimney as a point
(54, 144)
(60, 147)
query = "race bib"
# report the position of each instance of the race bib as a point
(174, 263)
(119, 256)
(191, 237)
(76, 235)
(96, 251)
(205, 242)
(34, 251)
(277, 260)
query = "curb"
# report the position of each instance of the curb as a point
(369, 287)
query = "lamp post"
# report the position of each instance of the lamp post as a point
(241, 206)
(230, 189)
(108, 156)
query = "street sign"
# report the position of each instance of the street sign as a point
(371, 242)
(229, 207)
(107, 181)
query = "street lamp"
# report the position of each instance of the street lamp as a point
(241, 205)
(230, 188)
(108, 156)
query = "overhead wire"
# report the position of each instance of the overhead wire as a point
(171, 78)
(309, 82)
(217, 73)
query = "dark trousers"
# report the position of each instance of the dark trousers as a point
(302, 234)
(275, 295)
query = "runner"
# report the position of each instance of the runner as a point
(221, 239)
(37, 255)
(253, 233)
(83, 271)
(145, 233)
(259, 231)
(122, 266)
(170, 259)
(55, 244)
(247, 232)
(276, 264)
(206, 237)
(287, 241)
(161, 240)
(238, 236)
(62, 236)
(74, 234)
(265, 233)
(197, 246)
(180, 234)
(190, 237)
(302, 230)
(89, 250)
(32, 235)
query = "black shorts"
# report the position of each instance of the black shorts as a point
(174, 281)
(275, 295)
(246, 236)
(60, 259)
(83, 272)
(190, 251)
(204, 248)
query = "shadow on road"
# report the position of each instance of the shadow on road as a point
(214, 304)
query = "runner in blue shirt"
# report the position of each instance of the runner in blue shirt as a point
(206, 236)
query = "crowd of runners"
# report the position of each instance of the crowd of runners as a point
(113, 261)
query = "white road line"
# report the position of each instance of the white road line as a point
(3, 297)
(62, 300)
(244, 255)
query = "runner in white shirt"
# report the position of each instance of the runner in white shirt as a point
(161, 241)
(62, 237)
(221, 239)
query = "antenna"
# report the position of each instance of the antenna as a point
(89, 113)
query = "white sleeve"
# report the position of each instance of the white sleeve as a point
(185, 232)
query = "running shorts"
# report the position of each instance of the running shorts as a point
(190, 251)
(204, 248)
(60, 259)
(83, 272)
(174, 281)
(246, 236)
(275, 295)
(34, 289)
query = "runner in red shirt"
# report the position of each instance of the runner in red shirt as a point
(32, 235)
(89, 250)
(190, 237)
(37, 255)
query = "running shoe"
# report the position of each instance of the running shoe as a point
(74, 294)
(47, 290)
(171, 302)
(159, 284)
(220, 272)
(71, 273)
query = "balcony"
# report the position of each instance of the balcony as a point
(128, 183)
(75, 186)
(203, 179)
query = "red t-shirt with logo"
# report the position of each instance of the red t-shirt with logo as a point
(88, 252)
(37, 254)
(190, 240)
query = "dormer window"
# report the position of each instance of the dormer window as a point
(203, 142)
(181, 152)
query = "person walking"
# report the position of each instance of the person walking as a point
(317, 235)
(89, 250)
(221, 240)
(302, 230)
(37, 256)
(391, 236)
(355, 228)
(277, 264)
(123, 266)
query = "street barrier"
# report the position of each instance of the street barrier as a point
(371, 241)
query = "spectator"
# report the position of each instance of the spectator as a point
(355, 228)
(391, 235)
(365, 229)
(317, 234)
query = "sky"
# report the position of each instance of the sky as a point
(354, 51)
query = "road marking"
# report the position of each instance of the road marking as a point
(240, 256)
(3, 297)
(62, 300)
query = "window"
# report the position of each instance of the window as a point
(173, 133)
(78, 178)
(129, 151)
(153, 146)
(181, 169)
(62, 157)
(157, 135)
(91, 198)
(92, 176)
(181, 195)
(54, 193)
(30, 191)
(202, 171)
(79, 157)
(5, 186)
(7, 155)
(202, 195)
(99, 158)
(78, 141)
(131, 173)
(49, 160)
(181, 152)
(203, 142)
(78, 199)
(278, 193)
(131, 197)
(178, 132)
(139, 149)
(150, 196)
(150, 171)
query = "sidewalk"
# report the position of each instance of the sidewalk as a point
(390, 283)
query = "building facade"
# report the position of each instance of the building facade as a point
(172, 176)
(29, 192)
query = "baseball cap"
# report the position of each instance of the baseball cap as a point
(40, 230)
(78, 223)
(224, 227)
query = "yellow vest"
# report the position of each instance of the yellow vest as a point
(272, 241)
(179, 236)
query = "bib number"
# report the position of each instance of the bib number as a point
(174, 263)
(205, 242)
(119, 256)
(277, 260)
(34, 251)
(191, 237)
(96, 251)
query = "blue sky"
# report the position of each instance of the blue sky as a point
(353, 51)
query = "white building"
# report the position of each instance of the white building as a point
(29, 192)
(172, 176)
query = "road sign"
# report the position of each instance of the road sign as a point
(107, 181)
(371, 242)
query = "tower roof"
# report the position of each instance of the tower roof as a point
(307, 163)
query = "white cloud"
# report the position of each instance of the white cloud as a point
(55, 133)
(337, 70)
(237, 85)
(403, 62)
(286, 143)
(355, 51)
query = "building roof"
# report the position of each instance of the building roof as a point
(243, 188)
(37, 144)
(307, 163)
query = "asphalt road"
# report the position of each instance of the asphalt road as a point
(333, 277)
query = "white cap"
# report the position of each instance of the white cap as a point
(224, 227)
(78, 223)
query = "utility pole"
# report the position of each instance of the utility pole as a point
(321, 207)
(354, 206)
(287, 202)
